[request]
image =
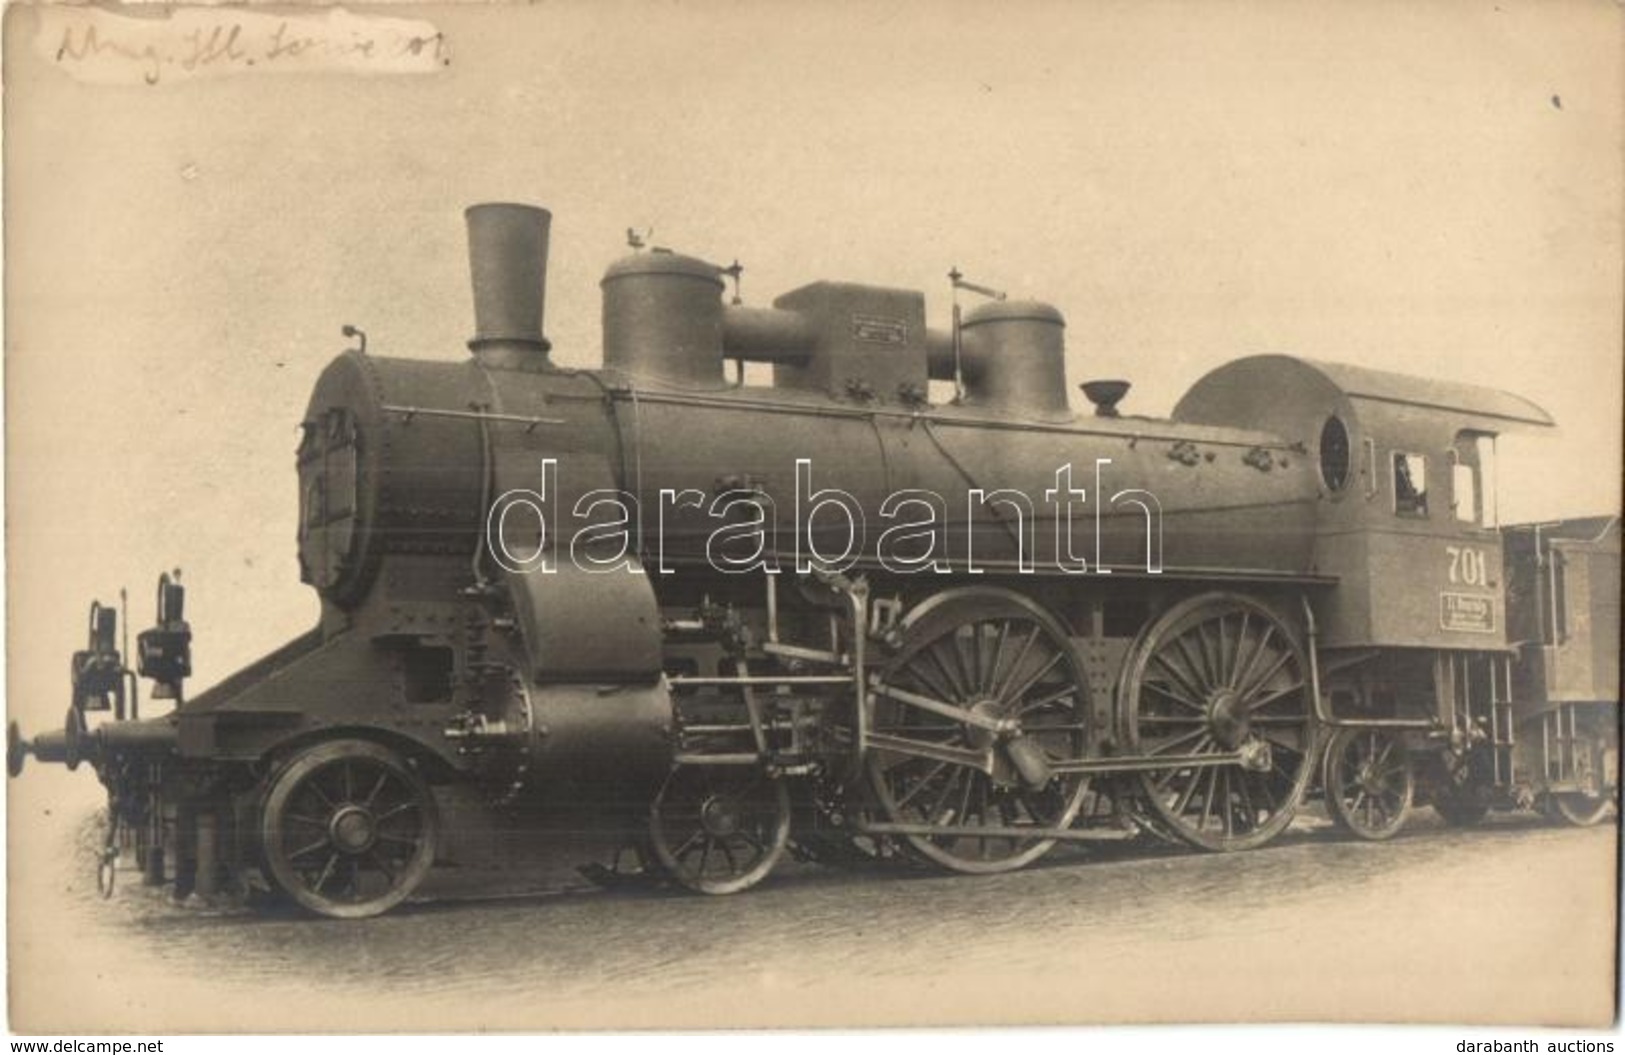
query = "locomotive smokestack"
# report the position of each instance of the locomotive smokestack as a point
(507, 256)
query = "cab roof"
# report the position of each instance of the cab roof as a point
(1291, 395)
(1385, 386)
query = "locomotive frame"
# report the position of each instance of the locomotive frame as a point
(1300, 607)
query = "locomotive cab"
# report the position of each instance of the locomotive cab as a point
(1419, 646)
(1406, 512)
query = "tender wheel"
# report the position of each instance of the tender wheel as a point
(720, 829)
(1220, 673)
(348, 830)
(1598, 766)
(984, 695)
(1578, 809)
(1369, 782)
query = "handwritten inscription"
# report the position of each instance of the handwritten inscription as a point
(104, 47)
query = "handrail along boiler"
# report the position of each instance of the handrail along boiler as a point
(829, 615)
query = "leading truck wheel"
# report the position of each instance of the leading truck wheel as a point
(720, 829)
(348, 829)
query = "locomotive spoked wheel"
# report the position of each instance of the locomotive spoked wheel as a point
(720, 829)
(983, 696)
(348, 830)
(1220, 673)
(1578, 809)
(1369, 782)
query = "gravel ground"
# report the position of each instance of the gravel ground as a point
(1513, 922)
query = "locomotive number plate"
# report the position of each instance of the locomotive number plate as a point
(1474, 613)
(877, 329)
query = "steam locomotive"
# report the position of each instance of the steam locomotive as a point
(902, 598)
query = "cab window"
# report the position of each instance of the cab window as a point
(1334, 454)
(1472, 479)
(1410, 485)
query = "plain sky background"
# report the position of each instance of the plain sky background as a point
(1433, 188)
(1385, 183)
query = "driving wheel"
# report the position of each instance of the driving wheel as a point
(984, 696)
(1220, 674)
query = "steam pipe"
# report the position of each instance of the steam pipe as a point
(767, 335)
